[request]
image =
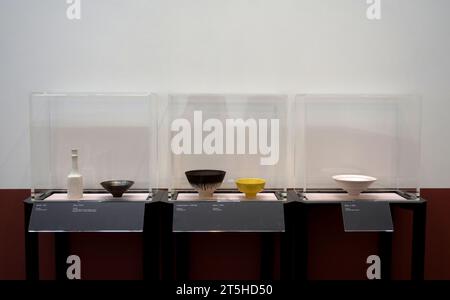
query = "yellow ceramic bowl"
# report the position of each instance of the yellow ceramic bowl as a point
(250, 186)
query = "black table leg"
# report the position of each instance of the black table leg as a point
(167, 242)
(300, 244)
(386, 255)
(286, 256)
(418, 241)
(287, 252)
(267, 256)
(61, 254)
(31, 247)
(151, 242)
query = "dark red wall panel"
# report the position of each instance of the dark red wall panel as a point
(334, 253)
(108, 256)
(218, 256)
(12, 253)
(438, 234)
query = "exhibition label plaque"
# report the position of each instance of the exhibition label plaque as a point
(367, 216)
(245, 216)
(87, 217)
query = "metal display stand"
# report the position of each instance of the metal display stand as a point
(176, 248)
(166, 253)
(299, 270)
(150, 231)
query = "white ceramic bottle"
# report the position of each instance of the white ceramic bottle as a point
(74, 179)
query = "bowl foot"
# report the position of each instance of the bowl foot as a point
(353, 194)
(205, 194)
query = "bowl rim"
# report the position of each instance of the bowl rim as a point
(256, 179)
(193, 172)
(357, 178)
(125, 182)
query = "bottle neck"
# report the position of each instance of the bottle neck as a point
(74, 163)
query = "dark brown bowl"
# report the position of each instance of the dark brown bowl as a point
(197, 177)
(117, 187)
(205, 182)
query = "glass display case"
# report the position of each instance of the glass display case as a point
(234, 146)
(357, 147)
(92, 146)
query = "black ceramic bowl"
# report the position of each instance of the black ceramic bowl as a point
(205, 181)
(117, 187)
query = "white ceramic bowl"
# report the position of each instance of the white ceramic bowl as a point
(354, 184)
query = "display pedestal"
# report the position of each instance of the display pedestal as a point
(167, 226)
(64, 217)
(266, 216)
(299, 247)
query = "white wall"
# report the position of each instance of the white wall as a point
(323, 46)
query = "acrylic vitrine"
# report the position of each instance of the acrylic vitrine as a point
(357, 147)
(245, 136)
(114, 135)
